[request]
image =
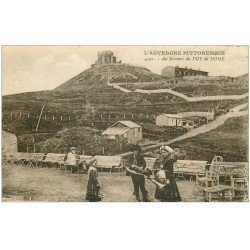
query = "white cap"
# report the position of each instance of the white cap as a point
(166, 148)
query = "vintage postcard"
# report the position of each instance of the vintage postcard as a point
(125, 123)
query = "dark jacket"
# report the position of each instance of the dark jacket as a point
(137, 160)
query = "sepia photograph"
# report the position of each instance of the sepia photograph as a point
(125, 123)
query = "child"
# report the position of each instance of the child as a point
(93, 182)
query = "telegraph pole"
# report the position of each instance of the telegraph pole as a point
(39, 118)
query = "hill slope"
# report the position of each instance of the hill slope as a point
(229, 141)
(113, 72)
(87, 95)
(198, 86)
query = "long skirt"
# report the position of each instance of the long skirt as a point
(168, 193)
(93, 190)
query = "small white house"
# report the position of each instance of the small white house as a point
(168, 120)
(127, 130)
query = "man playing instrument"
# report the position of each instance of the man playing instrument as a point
(137, 166)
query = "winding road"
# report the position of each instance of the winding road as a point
(180, 95)
(234, 112)
(219, 121)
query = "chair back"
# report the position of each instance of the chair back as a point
(212, 176)
(216, 164)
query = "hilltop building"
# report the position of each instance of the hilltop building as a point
(169, 120)
(171, 71)
(126, 130)
(105, 57)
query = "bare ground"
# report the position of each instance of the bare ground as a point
(43, 184)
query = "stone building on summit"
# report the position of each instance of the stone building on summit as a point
(105, 57)
(171, 71)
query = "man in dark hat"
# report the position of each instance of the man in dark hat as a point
(137, 161)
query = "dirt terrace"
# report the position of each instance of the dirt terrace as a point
(43, 184)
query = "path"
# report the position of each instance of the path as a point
(180, 95)
(234, 112)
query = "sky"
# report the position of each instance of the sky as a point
(34, 68)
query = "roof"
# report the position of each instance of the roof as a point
(172, 115)
(115, 131)
(128, 124)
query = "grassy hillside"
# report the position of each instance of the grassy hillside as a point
(195, 86)
(229, 141)
(113, 72)
(89, 105)
(87, 101)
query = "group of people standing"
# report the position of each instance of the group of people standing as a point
(162, 174)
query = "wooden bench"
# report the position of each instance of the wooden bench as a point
(21, 158)
(36, 159)
(8, 159)
(183, 168)
(54, 160)
(111, 163)
(219, 191)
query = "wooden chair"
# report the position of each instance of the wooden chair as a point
(212, 187)
(218, 191)
(216, 164)
(212, 176)
(239, 182)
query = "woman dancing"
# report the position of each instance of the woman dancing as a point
(164, 173)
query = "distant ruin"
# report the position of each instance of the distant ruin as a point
(105, 57)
